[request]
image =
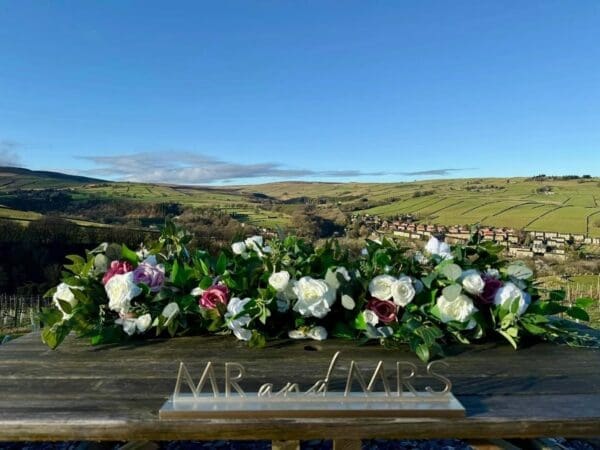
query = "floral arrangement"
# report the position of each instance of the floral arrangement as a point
(288, 288)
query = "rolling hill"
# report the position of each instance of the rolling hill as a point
(545, 204)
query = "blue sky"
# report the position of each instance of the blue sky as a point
(255, 91)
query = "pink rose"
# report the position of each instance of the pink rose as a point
(117, 268)
(385, 310)
(214, 296)
(489, 290)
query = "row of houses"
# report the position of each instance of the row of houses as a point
(551, 245)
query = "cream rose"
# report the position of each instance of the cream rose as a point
(380, 287)
(234, 308)
(403, 291)
(120, 290)
(65, 294)
(279, 280)
(509, 293)
(131, 325)
(472, 282)
(460, 309)
(239, 248)
(436, 247)
(315, 297)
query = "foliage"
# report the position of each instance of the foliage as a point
(291, 288)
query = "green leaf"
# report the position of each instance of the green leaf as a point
(429, 334)
(584, 302)
(107, 335)
(221, 264)
(206, 282)
(578, 313)
(533, 329)
(422, 352)
(65, 306)
(509, 338)
(53, 336)
(212, 316)
(50, 316)
(558, 295)
(343, 330)
(257, 340)
(360, 323)
(428, 280)
(129, 255)
(546, 308)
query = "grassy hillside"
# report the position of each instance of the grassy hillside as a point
(548, 205)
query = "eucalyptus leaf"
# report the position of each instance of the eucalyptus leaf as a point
(452, 271)
(519, 271)
(452, 292)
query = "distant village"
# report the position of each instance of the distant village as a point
(519, 244)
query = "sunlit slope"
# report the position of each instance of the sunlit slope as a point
(570, 206)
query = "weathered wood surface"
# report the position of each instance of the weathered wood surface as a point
(115, 392)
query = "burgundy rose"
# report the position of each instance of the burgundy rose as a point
(383, 309)
(117, 268)
(490, 288)
(213, 296)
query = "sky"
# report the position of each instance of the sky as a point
(233, 92)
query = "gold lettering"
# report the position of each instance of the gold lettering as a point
(233, 381)
(437, 376)
(403, 380)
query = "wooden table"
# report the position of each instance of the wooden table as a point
(80, 392)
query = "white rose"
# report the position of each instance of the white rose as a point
(370, 317)
(296, 334)
(143, 322)
(243, 334)
(315, 297)
(139, 324)
(239, 248)
(120, 289)
(254, 243)
(317, 333)
(472, 282)
(403, 291)
(380, 287)
(460, 309)
(435, 247)
(235, 307)
(64, 293)
(170, 312)
(279, 280)
(331, 276)
(510, 293)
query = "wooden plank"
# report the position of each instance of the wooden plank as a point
(347, 444)
(285, 445)
(114, 392)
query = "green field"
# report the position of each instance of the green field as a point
(571, 206)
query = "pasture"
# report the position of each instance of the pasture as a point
(569, 206)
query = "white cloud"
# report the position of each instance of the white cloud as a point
(191, 168)
(8, 153)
